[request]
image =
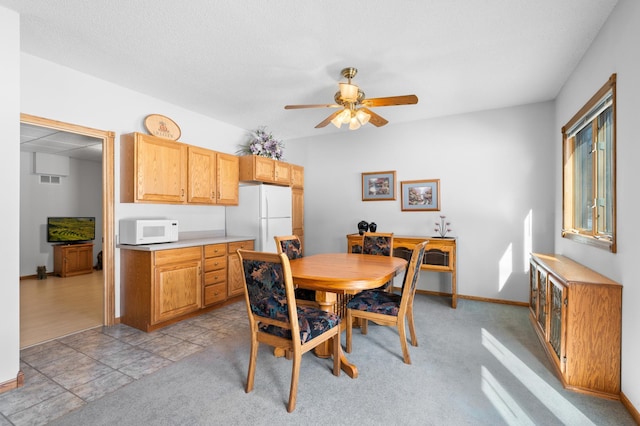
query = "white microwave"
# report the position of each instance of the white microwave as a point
(148, 231)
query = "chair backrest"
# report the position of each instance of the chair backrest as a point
(269, 292)
(289, 245)
(377, 243)
(412, 274)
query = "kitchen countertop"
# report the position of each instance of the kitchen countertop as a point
(189, 240)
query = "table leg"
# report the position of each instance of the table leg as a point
(327, 302)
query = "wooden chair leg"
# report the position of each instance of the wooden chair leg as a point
(336, 354)
(295, 374)
(349, 331)
(252, 365)
(412, 328)
(364, 323)
(403, 341)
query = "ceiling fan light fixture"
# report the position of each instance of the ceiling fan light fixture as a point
(354, 124)
(363, 117)
(345, 116)
(336, 121)
(348, 92)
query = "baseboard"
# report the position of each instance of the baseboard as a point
(13, 384)
(479, 299)
(630, 408)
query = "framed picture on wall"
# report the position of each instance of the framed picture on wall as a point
(378, 186)
(420, 195)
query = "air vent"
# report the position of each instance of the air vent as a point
(51, 180)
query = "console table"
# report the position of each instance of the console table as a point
(440, 255)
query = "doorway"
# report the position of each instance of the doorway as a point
(107, 273)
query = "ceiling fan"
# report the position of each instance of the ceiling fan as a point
(355, 107)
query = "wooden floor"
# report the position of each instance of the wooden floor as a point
(55, 307)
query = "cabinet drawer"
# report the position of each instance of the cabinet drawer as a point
(242, 245)
(215, 263)
(215, 293)
(213, 250)
(213, 277)
(165, 257)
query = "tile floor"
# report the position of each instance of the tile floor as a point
(64, 374)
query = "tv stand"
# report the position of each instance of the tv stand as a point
(72, 259)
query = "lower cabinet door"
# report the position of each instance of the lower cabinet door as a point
(177, 290)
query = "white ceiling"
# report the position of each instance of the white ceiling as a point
(50, 141)
(241, 61)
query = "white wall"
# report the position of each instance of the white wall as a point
(78, 194)
(615, 50)
(59, 93)
(495, 174)
(10, 211)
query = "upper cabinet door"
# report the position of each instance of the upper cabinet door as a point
(161, 169)
(202, 176)
(227, 179)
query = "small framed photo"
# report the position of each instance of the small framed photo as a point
(379, 186)
(420, 195)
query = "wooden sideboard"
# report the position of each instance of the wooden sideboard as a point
(440, 255)
(577, 315)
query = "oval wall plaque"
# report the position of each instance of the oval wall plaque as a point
(161, 126)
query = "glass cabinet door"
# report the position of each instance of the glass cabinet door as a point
(556, 319)
(533, 288)
(542, 300)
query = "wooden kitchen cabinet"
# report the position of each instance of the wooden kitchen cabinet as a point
(158, 170)
(201, 168)
(215, 274)
(152, 169)
(213, 177)
(297, 213)
(262, 169)
(159, 287)
(577, 316)
(72, 259)
(297, 176)
(235, 284)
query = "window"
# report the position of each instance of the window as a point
(589, 171)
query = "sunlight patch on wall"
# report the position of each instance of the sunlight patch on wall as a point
(505, 267)
(528, 240)
(559, 406)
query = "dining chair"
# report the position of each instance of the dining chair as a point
(276, 320)
(387, 308)
(292, 247)
(379, 244)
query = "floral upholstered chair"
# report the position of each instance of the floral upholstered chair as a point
(379, 244)
(292, 247)
(276, 320)
(387, 308)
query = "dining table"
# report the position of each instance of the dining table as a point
(335, 276)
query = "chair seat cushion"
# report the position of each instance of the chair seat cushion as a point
(313, 322)
(376, 301)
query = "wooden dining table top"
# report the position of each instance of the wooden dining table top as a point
(344, 272)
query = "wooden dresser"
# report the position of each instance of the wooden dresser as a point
(577, 315)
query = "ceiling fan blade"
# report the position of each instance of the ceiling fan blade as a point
(391, 100)
(312, 106)
(328, 119)
(375, 119)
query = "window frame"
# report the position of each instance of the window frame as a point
(590, 237)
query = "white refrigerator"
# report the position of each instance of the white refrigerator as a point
(263, 211)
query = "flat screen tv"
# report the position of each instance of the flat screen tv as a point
(71, 229)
